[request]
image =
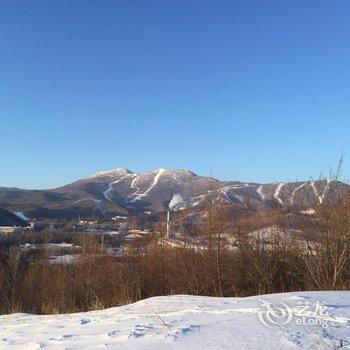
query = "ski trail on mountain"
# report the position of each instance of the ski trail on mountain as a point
(110, 186)
(317, 195)
(133, 182)
(295, 191)
(326, 188)
(154, 183)
(259, 191)
(314, 189)
(240, 199)
(277, 193)
(132, 185)
(228, 195)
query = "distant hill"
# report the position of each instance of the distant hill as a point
(124, 192)
(10, 219)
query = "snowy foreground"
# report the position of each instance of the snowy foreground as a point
(303, 320)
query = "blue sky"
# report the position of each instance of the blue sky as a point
(243, 90)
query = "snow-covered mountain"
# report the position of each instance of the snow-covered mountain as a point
(123, 191)
(301, 320)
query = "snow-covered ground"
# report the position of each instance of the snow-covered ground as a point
(302, 320)
(21, 215)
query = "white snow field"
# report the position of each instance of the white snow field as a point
(300, 320)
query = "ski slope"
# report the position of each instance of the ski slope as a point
(138, 195)
(111, 184)
(260, 193)
(192, 322)
(277, 193)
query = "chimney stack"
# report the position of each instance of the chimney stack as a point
(168, 225)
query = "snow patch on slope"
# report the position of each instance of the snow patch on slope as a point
(277, 193)
(188, 322)
(229, 195)
(310, 211)
(260, 193)
(118, 171)
(321, 196)
(326, 188)
(21, 215)
(295, 191)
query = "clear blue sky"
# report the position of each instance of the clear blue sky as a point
(245, 90)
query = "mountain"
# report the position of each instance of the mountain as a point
(10, 219)
(122, 191)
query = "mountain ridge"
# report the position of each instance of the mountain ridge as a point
(123, 191)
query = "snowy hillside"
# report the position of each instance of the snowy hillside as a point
(10, 219)
(303, 320)
(122, 192)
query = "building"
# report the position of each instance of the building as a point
(8, 230)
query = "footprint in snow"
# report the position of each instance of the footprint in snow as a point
(113, 334)
(141, 330)
(85, 321)
(185, 330)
